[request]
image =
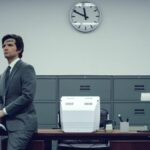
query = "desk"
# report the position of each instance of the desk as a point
(44, 137)
(130, 139)
(57, 134)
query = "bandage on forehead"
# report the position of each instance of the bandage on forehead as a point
(10, 40)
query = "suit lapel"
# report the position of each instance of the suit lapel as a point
(2, 86)
(13, 72)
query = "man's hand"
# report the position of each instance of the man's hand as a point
(2, 114)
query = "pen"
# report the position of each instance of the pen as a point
(120, 118)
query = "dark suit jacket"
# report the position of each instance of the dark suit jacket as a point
(18, 98)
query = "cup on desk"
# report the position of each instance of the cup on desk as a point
(109, 127)
(124, 126)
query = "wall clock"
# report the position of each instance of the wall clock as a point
(85, 16)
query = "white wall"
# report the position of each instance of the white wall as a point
(120, 46)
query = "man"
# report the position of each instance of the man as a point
(17, 90)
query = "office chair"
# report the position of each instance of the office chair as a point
(99, 144)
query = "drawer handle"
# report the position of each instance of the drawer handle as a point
(139, 87)
(139, 111)
(85, 87)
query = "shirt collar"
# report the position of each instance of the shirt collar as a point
(12, 64)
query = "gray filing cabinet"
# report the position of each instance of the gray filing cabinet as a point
(46, 101)
(127, 99)
(119, 95)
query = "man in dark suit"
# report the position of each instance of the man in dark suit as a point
(17, 90)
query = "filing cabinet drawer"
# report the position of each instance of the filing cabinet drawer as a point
(46, 89)
(85, 87)
(46, 113)
(130, 89)
(138, 113)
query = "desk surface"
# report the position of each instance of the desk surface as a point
(115, 134)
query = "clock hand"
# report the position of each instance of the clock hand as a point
(85, 16)
(79, 13)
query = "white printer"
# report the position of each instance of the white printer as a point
(80, 113)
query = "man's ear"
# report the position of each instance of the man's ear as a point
(19, 51)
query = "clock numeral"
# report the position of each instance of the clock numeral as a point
(91, 26)
(95, 23)
(96, 10)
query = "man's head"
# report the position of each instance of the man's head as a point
(12, 45)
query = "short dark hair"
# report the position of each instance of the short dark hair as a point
(19, 42)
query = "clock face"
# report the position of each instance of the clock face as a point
(85, 16)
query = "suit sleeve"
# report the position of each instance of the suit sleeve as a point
(1, 100)
(28, 81)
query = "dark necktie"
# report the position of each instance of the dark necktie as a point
(7, 76)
